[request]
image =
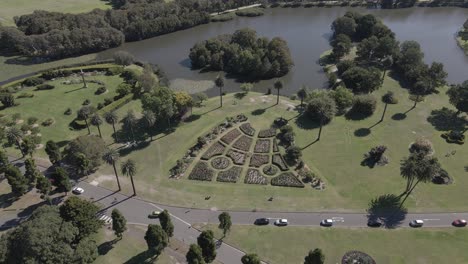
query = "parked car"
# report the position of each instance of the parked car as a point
(459, 223)
(374, 223)
(154, 214)
(77, 190)
(326, 222)
(262, 221)
(416, 223)
(281, 222)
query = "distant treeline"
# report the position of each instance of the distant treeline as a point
(53, 35)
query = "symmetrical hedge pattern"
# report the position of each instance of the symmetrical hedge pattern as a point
(236, 156)
(215, 150)
(247, 129)
(230, 136)
(220, 163)
(255, 177)
(243, 143)
(262, 146)
(231, 175)
(279, 161)
(267, 133)
(258, 160)
(201, 172)
(287, 179)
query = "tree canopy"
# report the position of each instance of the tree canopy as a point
(206, 242)
(156, 239)
(458, 95)
(82, 215)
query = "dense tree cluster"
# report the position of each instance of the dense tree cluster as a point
(243, 53)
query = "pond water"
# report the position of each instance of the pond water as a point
(307, 31)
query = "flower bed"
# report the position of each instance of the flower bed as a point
(215, 150)
(267, 133)
(230, 136)
(262, 146)
(243, 143)
(231, 175)
(247, 129)
(255, 177)
(220, 163)
(279, 161)
(201, 172)
(258, 160)
(287, 179)
(275, 146)
(237, 157)
(270, 170)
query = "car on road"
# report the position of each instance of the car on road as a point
(374, 223)
(262, 221)
(281, 222)
(154, 214)
(459, 223)
(77, 190)
(326, 222)
(416, 223)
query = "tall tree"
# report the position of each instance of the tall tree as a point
(278, 86)
(16, 180)
(150, 119)
(85, 113)
(418, 91)
(83, 164)
(194, 255)
(156, 239)
(31, 172)
(302, 94)
(82, 214)
(224, 222)
(111, 118)
(166, 223)
(128, 168)
(250, 259)
(458, 95)
(119, 223)
(96, 120)
(315, 257)
(129, 122)
(219, 82)
(111, 156)
(14, 136)
(28, 146)
(44, 186)
(206, 242)
(61, 180)
(386, 64)
(388, 98)
(53, 151)
(123, 58)
(321, 109)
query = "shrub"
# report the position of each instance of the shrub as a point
(100, 90)
(35, 130)
(114, 71)
(389, 98)
(343, 98)
(247, 129)
(243, 143)
(108, 101)
(454, 137)
(48, 122)
(286, 135)
(344, 65)
(237, 157)
(258, 160)
(254, 176)
(32, 120)
(100, 106)
(86, 102)
(25, 127)
(270, 170)
(124, 89)
(293, 153)
(230, 175)
(215, 150)
(16, 116)
(287, 179)
(45, 86)
(376, 156)
(422, 145)
(267, 133)
(25, 95)
(251, 12)
(33, 81)
(220, 163)
(231, 136)
(364, 105)
(201, 172)
(279, 161)
(223, 17)
(68, 111)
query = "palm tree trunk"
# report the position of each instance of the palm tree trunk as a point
(320, 130)
(221, 96)
(133, 186)
(133, 135)
(383, 76)
(277, 96)
(87, 126)
(383, 114)
(116, 176)
(416, 101)
(99, 129)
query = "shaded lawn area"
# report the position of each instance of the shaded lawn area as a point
(404, 245)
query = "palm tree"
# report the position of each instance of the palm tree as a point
(322, 109)
(220, 84)
(128, 168)
(110, 157)
(96, 120)
(386, 63)
(388, 98)
(84, 113)
(150, 120)
(111, 118)
(278, 86)
(14, 135)
(130, 121)
(302, 94)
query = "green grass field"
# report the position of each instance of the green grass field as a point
(12, 8)
(336, 159)
(291, 244)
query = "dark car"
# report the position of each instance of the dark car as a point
(374, 223)
(459, 223)
(262, 221)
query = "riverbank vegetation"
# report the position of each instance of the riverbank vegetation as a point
(462, 37)
(243, 54)
(251, 12)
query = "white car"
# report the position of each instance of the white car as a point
(77, 190)
(326, 222)
(416, 223)
(281, 222)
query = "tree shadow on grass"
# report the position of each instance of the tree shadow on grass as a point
(107, 246)
(192, 118)
(354, 115)
(444, 119)
(239, 96)
(143, 257)
(362, 132)
(399, 116)
(304, 122)
(7, 199)
(259, 111)
(386, 208)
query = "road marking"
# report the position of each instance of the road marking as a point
(183, 221)
(431, 219)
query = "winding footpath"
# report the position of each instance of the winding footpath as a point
(136, 212)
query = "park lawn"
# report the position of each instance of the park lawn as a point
(129, 250)
(336, 158)
(404, 245)
(12, 8)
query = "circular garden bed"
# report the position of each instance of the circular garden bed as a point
(270, 170)
(220, 163)
(357, 257)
